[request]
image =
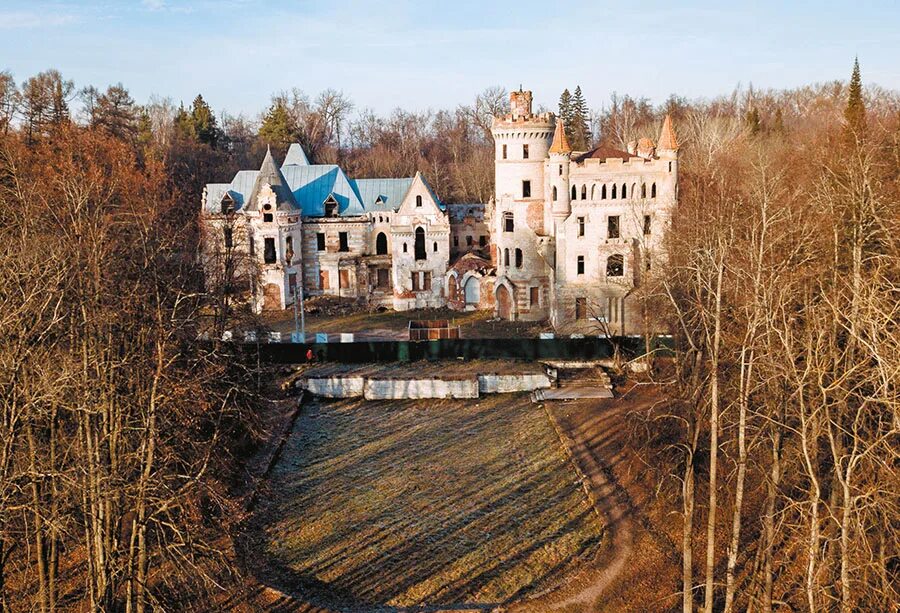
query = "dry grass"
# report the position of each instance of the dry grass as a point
(439, 502)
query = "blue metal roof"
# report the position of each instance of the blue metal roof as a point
(382, 195)
(295, 156)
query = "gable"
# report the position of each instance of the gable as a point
(420, 192)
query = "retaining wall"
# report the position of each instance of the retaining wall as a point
(504, 384)
(398, 389)
(337, 387)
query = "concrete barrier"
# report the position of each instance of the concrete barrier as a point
(397, 389)
(337, 387)
(504, 384)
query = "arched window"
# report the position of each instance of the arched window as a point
(603, 192)
(554, 193)
(506, 257)
(643, 190)
(435, 247)
(420, 243)
(584, 192)
(615, 265)
(404, 248)
(624, 192)
(518, 258)
(653, 190)
(574, 193)
(593, 192)
(613, 196)
(381, 244)
(418, 200)
(634, 190)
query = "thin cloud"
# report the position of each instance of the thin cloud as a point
(21, 20)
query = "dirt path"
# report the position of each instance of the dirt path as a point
(611, 502)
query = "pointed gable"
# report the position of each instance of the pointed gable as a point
(560, 142)
(270, 175)
(667, 139)
(295, 156)
(420, 199)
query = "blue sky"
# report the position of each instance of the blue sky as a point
(421, 54)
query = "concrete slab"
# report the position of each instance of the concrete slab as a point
(571, 393)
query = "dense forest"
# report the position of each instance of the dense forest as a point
(121, 437)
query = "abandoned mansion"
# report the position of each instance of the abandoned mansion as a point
(567, 237)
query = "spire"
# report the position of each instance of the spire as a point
(560, 142)
(271, 176)
(667, 139)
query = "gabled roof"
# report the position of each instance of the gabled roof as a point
(602, 152)
(271, 176)
(560, 142)
(382, 195)
(295, 156)
(667, 138)
(313, 184)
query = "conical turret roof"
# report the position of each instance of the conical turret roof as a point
(270, 175)
(560, 142)
(667, 139)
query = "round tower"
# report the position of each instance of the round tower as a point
(521, 143)
(557, 171)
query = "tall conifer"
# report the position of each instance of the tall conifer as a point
(580, 130)
(855, 114)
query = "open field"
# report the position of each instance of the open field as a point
(392, 325)
(402, 503)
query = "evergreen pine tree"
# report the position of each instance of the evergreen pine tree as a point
(278, 128)
(581, 132)
(778, 122)
(855, 114)
(565, 111)
(204, 122)
(753, 122)
(184, 125)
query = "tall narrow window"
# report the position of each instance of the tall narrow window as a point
(526, 189)
(419, 247)
(344, 242)
(506, 257)
(581, 308)
(613, 194)
(518, 258)
(229, 237)
(504, 152)
(615, 265)
(426, 280)
(554, 193)
(320, 241)
(646, 225)
(524, 152)
(593, 192)
(418, 200)
(456, 241)
(381, 244)
(269, 255)
(612, 226)
(584, 192)
(435, 247)
(534, 296)
(252, 244)
(415, 281)
(581, 226)
(653, 190)
(560, 170)
(508, 224)
(580, 269)
(643, 190)
(289, 246)
(603, 192)
(624, 192)
(574, 193)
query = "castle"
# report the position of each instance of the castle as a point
(567, 237)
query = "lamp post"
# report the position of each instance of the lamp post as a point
(299, 326)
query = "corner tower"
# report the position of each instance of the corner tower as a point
(521, 142)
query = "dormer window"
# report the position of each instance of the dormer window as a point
(331, 206)
(227, 204)
(379, 200)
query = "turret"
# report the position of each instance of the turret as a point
(667, 146)
(558, 173)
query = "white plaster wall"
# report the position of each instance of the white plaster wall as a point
(503, 384)
(336, 387)
(396, 389)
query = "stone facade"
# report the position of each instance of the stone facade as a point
(382, 241)
(576, 232)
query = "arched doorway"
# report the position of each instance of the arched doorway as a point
(504, 303)
(473, 292)
(381, 244)
(420, 244)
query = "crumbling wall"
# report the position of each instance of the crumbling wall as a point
(397, 389)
